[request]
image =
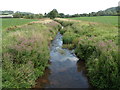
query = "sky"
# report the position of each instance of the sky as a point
(63, 6)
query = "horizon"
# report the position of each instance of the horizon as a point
(73, 6)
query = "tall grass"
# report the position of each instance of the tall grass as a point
(26, 54)
(97, 44)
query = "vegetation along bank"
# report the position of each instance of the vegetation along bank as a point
(97, 44)
(26, 52)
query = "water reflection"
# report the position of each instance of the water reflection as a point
(80, 65)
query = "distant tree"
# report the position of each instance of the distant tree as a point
(93, 14)
(17, 15)
(85, 14)
(99, 13)
(38, 16)
(27, 16)
(76, 15)
(67, 16)
(61, 15)
(53, 14)
(30, 16)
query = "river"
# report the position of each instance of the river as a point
(65, 70)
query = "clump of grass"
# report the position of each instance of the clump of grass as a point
(26, 54)
(69, 46)
(97, 44)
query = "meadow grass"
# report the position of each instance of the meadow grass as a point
(9, 22)
(97, 44)
(25, 54)
(112, 20)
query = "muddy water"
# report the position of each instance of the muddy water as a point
(65, 70)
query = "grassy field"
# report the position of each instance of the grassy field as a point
(9, 22)
(97, 44)
(112, 20)
(25, 53)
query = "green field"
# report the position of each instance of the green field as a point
(9, 22)
(112, 20)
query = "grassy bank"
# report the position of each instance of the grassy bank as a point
(112, 20)
(26, 53)
(97, 44)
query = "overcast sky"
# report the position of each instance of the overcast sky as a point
(63, 6)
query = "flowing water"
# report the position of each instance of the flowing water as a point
(65, 70)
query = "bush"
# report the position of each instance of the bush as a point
(103, 68)
(68, 37)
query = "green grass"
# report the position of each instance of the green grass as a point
(25, 54)
(97, 44)
(9, 22)
(112, 20)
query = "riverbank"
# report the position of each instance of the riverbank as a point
(96, 44)
(26, 53)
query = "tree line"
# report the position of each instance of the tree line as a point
(114, 11)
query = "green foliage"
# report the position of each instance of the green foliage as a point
(68, 37)
(105, 63)
(53, 14)
(25, 54)
(27, 15)
(33, 16)
(69, 46)
(61, 15)
(97, 44)
(65, 23)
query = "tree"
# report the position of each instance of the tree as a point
(61, 15)
(53, 14)
(17, 15)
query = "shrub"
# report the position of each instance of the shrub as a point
(103, 68)
(68, 37)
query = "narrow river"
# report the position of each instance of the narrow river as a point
(65, 70)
